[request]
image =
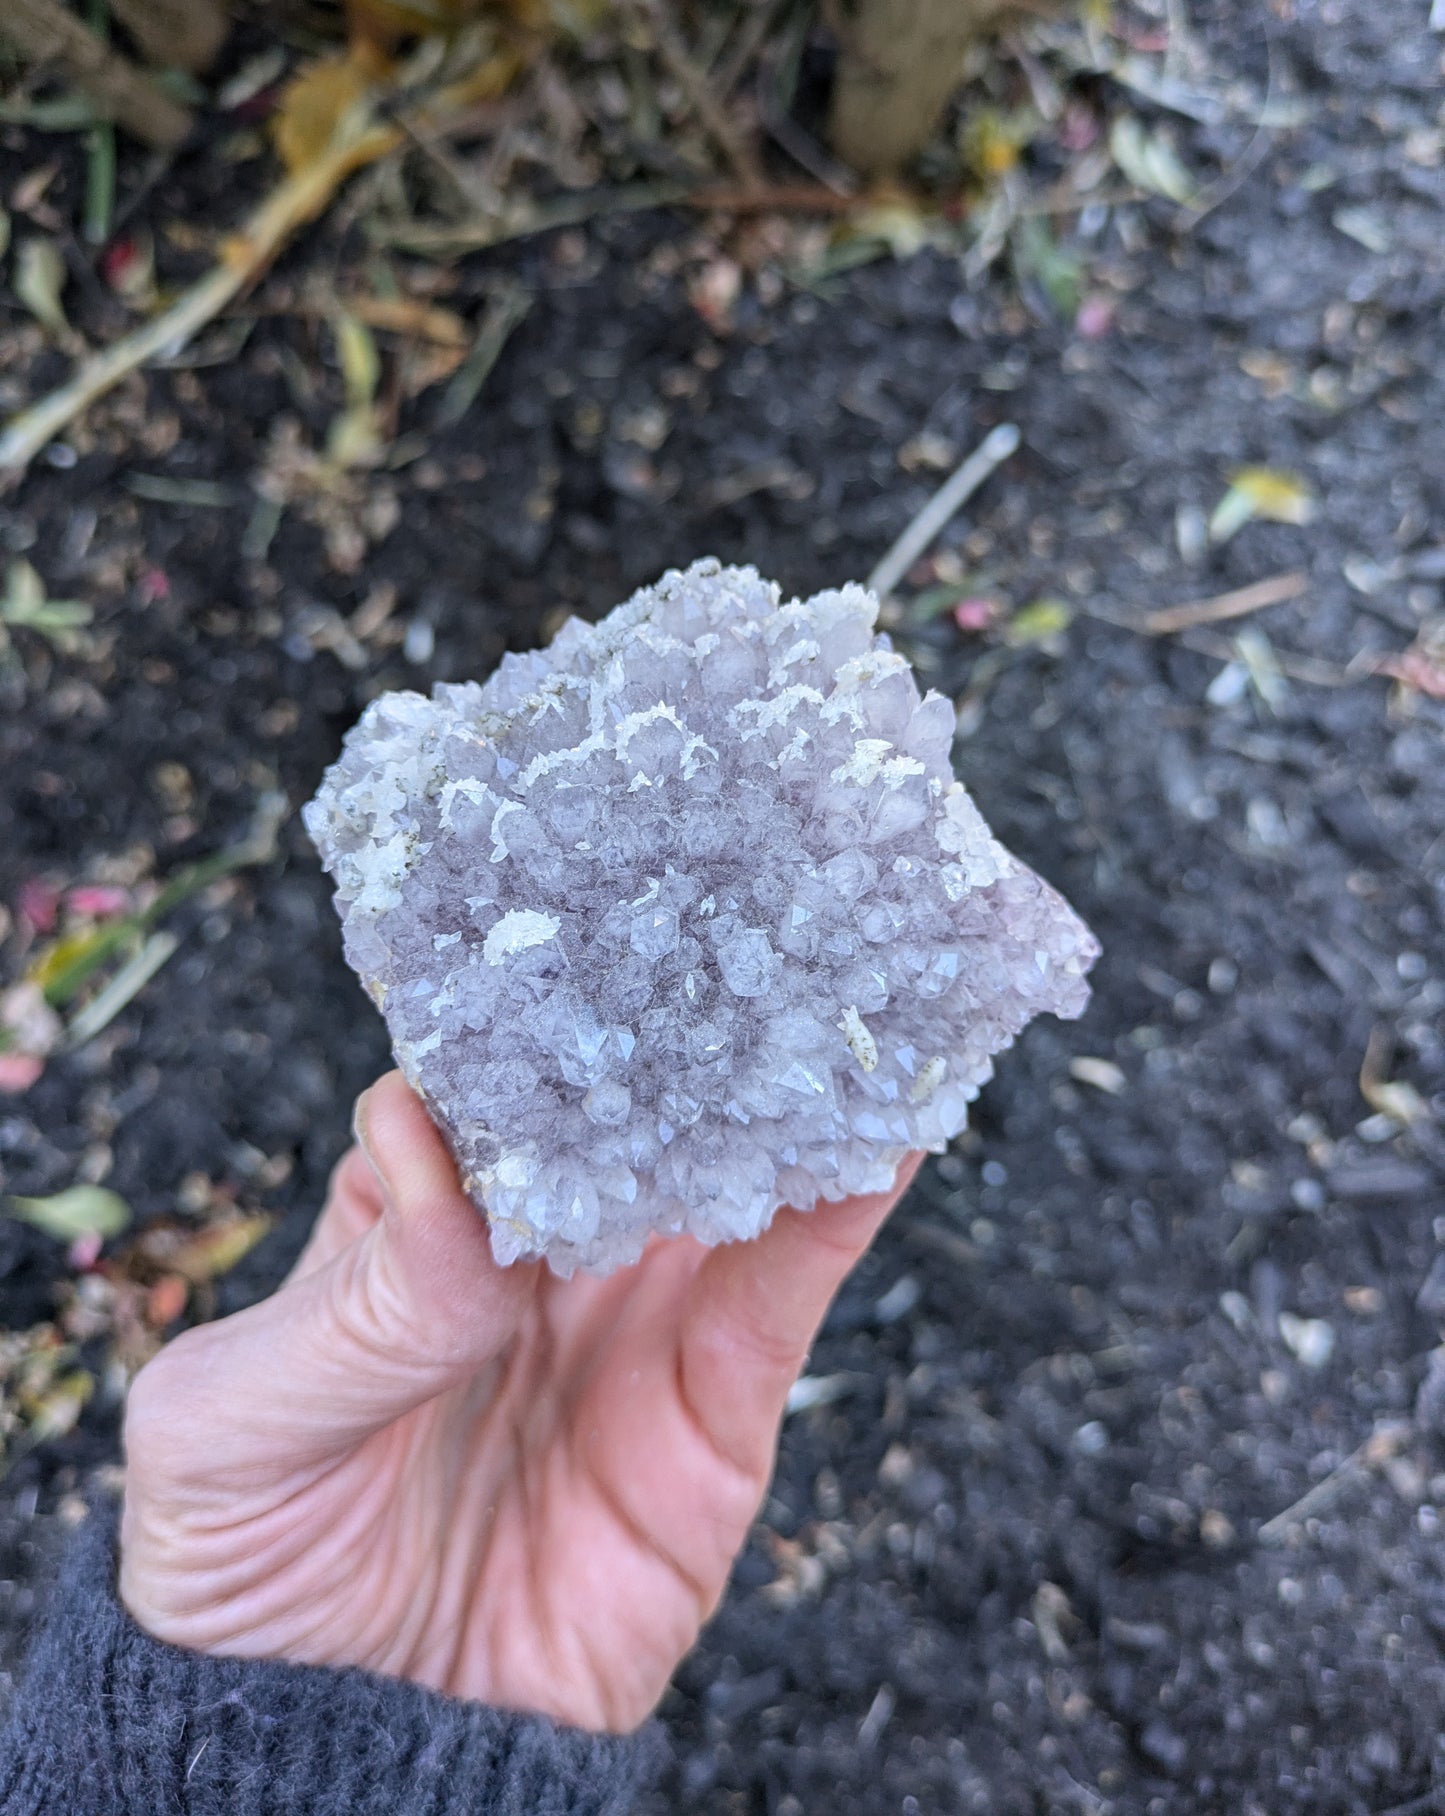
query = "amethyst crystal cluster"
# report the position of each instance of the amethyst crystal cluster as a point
(685, 918)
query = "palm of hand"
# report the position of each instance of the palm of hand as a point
(506, 1486)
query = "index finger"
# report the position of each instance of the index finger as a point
(755, 1307)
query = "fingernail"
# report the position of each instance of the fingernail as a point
(361, 1131)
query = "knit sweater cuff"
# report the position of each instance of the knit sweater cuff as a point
(110, 1722)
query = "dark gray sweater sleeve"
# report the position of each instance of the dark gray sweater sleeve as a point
(110, 1722)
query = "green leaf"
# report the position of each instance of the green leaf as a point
(1149, 161)
(935, 600)
(24, 593)
(83, 1210)
(24, 602)
(58, 1410)
(39, 282)
(60, 968)
(354, 439)
(66, 113)
(60, 615)
(1038, 255)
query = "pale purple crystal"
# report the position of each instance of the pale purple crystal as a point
(685, 918)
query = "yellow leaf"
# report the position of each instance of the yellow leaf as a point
(1043, 622)
(360, 362)
(56, 1411)
(54, 961)
(216, 1250)
(407, 315)
(992, 140)
(892, 220)
(1281, 497)
(1261, 492)
(316, 101)
(354, 439)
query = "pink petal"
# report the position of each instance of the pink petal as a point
(102, 901)
(84, 1252)
(1079, 128)
(118, 261)
(976, 614)
(38, 903)
(1095, 318)
(18, 1071)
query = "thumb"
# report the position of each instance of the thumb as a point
(423, 1277)
(411, 1308)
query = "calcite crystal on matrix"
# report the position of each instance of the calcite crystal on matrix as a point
(685, 917)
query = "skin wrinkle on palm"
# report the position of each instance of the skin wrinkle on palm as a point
(410, 1503)
(685, 918)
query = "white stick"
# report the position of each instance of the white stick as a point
(945, 503)
(127, 983)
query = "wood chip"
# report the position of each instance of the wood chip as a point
(1222, 606)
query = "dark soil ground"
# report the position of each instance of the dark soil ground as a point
(1021, 1561)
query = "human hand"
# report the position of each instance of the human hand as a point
(512, 1488)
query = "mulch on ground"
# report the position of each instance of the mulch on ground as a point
(1121, 1483)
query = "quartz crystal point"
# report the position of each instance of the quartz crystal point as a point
(685, 917)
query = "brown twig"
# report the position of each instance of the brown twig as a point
(1237, 604)
(776, 198)
(1295, 667)
(694, 84)
(1308, 669)
(1385, 1442)
(728, 71)
(175, 34)
(392, 315)
(44, 32)
(299, 198)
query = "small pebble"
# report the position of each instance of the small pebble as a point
(1307, 1194)
(899, 1300)
(1312, 1340)
(1160, 1743)
(1102, 1074)
(419, 643)
(1191, 533)
(1431, 1296)
(1237, 1309)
